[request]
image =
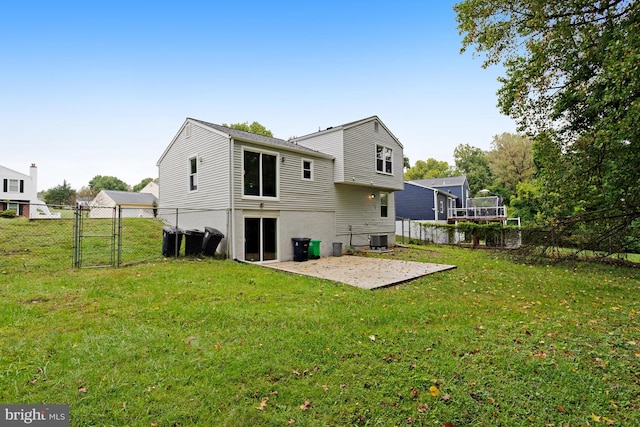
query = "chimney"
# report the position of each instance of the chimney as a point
(33, 173)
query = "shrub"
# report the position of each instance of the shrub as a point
(9, 213)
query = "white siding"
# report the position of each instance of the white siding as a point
(212, 151)
(359, 215)
(329, 142)
(360, 156)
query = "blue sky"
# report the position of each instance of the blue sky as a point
(101, 87)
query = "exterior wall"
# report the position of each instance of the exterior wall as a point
(212, 151)
(26, 193)
(461, 191)
(358, 215)
(360, 157)
(329, 142)
(152, 188)
(198, 219)
(415, 202)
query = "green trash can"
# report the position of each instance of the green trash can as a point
(314, 249)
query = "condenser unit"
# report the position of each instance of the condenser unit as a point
(378, 241)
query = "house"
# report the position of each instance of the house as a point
(336, 185)
(423, 203)
(436, 199)
(19, 193)
(108, 204)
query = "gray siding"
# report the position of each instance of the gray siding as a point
(360, 157)
(294, 193)
(213, 171)
(359, 215)
(329, 142)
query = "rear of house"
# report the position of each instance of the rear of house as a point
(262, 192)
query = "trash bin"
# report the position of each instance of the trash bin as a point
(314, 249)
(337, 248)
(171, 241)
(193, 242)
(211, 240)
(300, 248)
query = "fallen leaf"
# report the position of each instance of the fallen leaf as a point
(263, 403)
(595, 417)
(325, 387)
(372, 338)
(560, 408)
(82, 390)
(448, 424)
(446, 397)
(434, 391)
(305, 405)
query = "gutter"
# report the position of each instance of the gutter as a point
(232, 224)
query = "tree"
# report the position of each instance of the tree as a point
(100, 182)
(254, 127)
(572, 81)
(60, 195)
(511, 161)
(142, 184)
(432, 168)
(474, 164)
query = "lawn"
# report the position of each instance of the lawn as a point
(183, 342)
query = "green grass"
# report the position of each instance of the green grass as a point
(184, 342)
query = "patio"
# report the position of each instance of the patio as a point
(361, 272)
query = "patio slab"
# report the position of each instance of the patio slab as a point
(361, 272)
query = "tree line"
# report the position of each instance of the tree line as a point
(64, 195)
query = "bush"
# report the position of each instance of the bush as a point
(9, 213)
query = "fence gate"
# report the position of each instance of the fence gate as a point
(96, 237)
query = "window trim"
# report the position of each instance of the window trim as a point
(384, 204)
(277, 178)
(12, 189)
(311, 167)
(384, 161)
(193, 187)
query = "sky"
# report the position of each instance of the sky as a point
(101, 87)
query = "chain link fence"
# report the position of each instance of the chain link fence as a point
(92, 236)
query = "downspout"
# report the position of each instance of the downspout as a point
(435, 204)
(232, 223)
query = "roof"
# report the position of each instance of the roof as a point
(349, 125)
(426, 187)
(260, 139)
(451, 181)
(130, 198)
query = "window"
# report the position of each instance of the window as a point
(384, 159)
(193, 173)
(441, 206)
(307, 170)
(375, 126)
(384, 205)
(260, 174)
(13, 207)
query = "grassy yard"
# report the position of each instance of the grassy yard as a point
(184, 342)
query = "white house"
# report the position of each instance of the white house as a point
(19, 192)
(335, 185)
(134, 205)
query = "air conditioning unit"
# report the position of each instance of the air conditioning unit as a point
(378, 241)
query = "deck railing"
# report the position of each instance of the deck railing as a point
(479, 208)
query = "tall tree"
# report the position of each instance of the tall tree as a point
(60, 195)
(473, 162)
(100, 182)
(511, 160)
(432, 168)
(254, 127)
(572, 80)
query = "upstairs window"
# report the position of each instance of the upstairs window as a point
(13, 186)
(307, 170)
(260, 174)
(193, 174)
(384, 159)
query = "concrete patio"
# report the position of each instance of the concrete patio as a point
(359, 271)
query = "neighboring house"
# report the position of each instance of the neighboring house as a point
(152, 188)
(134, 205)
(423, 203)
(19, 192)
(335, 185)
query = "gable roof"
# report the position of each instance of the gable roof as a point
(260, 139)
(130, 198)
(350, 125)
(426, 187)
(441, 182)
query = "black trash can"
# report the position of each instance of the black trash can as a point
(300, 248)
(171, 241)
(193, 242)
(211, 240)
